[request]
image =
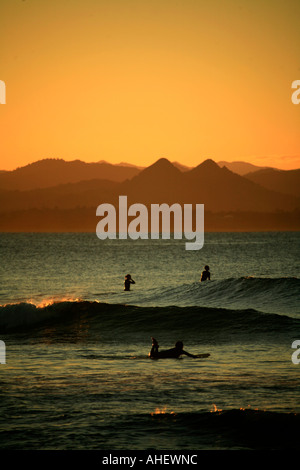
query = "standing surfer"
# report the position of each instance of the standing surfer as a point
(205, 274)
(127, 282)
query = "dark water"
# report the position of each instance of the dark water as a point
(77, 372)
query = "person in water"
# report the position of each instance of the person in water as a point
(128, 281)
(173, 352)
(205, 274)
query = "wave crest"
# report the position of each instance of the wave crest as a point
(104, 318)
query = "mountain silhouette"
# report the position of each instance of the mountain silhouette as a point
(241, 168)
(64, 196)
(180, 166)
(231, 201)
(51, 172)
(160, 182)
(218, 188)
(222, 190)
(283, 181)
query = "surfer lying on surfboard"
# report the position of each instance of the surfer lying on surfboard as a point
(173, 352)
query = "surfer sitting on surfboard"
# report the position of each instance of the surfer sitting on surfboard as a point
(173, 352)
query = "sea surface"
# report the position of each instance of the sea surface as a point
(77, 373)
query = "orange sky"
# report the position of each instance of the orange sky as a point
(138, 80)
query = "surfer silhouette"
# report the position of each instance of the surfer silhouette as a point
(128, 281)
(205, 274)
(168, 353)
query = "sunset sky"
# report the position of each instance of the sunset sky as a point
(133, 81)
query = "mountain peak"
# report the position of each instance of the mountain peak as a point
(209, 163)
(162, 163)
(208, 167)
(161, 177)
(161, 167)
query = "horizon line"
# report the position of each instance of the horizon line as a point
(174, 163)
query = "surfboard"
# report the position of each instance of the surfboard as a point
(202, 355)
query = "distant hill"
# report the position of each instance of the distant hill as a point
(241, 168)
(229, 198)
(123, 164)
(283, 181)
(224, 190)
(51, 172)
(181, 167)
(64, 196)
(160, 182)
(218, 188)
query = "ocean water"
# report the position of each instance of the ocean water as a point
(77, 373)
